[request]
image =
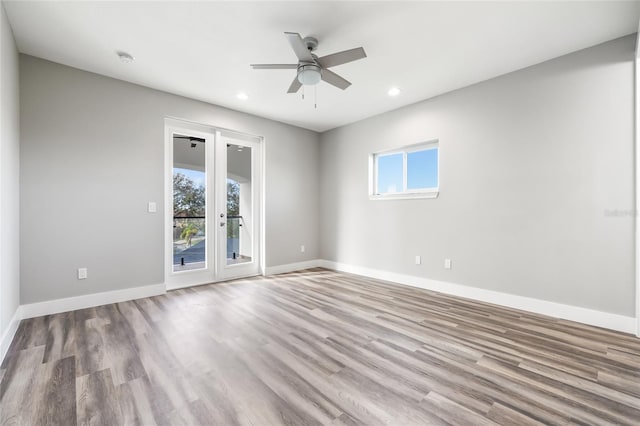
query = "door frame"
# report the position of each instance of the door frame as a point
(211, 274)
(636, 212)
(239, 270)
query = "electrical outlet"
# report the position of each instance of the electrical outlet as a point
(447, 264)
(82, 273)
(418, 260)
(302, 249)
(152, 207)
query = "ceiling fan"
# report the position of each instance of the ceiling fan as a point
(191, 138)
(311, 68)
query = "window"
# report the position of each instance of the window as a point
(408, 172)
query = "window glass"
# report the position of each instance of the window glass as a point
(422, 169)
(411, 171)
(390, 173)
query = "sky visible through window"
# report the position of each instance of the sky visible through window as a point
(422, 171)
(196, 176)
(390, 173)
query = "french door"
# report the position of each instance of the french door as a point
(214, 204)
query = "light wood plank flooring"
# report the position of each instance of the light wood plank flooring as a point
(315, 347)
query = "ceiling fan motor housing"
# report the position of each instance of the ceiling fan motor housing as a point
(311, 43)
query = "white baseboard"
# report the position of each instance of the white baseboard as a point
(89, 300)
(9, 333)
(56, 306)
(558, 310)
(290, 267)
(574, 313)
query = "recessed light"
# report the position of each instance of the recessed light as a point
(242, 96)
(125, 57)
(394, 91)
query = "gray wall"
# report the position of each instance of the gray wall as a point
(92, 154)
(532, 164)
(9, 175)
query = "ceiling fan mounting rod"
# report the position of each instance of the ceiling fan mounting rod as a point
(311, 43)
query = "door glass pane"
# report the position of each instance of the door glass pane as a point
(239, 205)
(189, 203)
(390, 173)
(422, 169)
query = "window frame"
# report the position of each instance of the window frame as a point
(405, 193)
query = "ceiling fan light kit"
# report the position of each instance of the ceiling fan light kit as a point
(311, 68)
(309, 74)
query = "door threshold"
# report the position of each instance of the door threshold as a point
(198, 284)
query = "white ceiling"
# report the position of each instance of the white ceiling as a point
(202, 50)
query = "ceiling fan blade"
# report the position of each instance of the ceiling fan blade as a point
(274, 66)
(295, 85)
(342, 57)
(334, 79)
(298, 46)
(191, 138)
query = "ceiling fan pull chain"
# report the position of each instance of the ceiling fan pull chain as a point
(303, 92)
(315, 96)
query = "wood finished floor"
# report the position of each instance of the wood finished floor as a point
(315, 347)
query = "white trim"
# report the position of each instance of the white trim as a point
(56, 306)
(242, 269)
(573, 313)
(196, 282)
(214, 270)
(189, 280)
(10, 332)
(431, 193)
(405, 193)
(290, 267)
(263, 208)
(208, 273)
(636, 143)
